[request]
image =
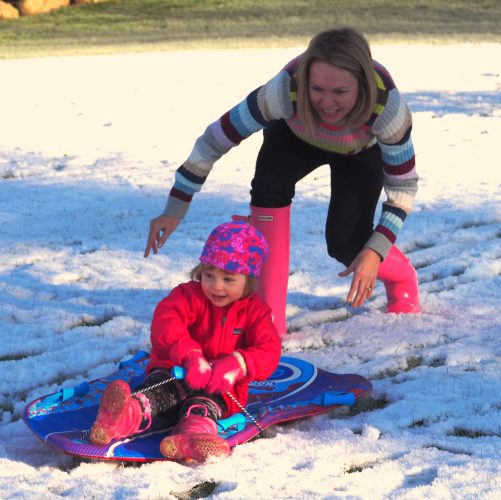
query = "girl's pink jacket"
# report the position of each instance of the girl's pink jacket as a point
(186, 320)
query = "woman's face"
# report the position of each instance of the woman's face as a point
(333, 92)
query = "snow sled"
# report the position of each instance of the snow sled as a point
(297, 389)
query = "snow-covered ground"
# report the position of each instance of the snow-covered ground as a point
(88, 148)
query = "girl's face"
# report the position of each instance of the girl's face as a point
(333, 91)
(222, 288)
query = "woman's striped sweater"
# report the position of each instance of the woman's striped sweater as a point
(389, 125)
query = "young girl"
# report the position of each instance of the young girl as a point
(220, 332)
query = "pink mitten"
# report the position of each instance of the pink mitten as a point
(225, 372)
(198, 370)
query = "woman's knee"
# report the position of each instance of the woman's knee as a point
(271, 194)
(341, 252)
(344, 244)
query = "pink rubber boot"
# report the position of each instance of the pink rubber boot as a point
(400, 281)
(274, 223)
(194, 438)
(119, 414)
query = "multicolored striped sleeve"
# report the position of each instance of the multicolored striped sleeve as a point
(392, 129)
(262, 106)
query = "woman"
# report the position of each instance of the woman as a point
(331, 105)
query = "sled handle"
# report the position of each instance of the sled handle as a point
(331, 398)
(236, 420)
(63, 395)
(178, 372)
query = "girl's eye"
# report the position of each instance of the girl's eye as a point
(208, 275)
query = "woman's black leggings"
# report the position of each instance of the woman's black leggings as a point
(356, 184)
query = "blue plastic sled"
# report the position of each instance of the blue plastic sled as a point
(297, 389)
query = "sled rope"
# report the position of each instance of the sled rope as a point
(245, 411)
(153, 386)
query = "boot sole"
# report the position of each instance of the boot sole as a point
(194, 447)
(111, 407)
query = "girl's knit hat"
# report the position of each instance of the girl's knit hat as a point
(236, 247)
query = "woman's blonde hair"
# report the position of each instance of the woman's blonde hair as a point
(345, 48)
(196, 275)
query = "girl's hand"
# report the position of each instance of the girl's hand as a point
(225, 372)
(364, 268)
(160, 229)
(198, 370)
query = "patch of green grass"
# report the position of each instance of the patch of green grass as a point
(367, 403)
(470, 433)
(142, 25)
(418, 423)
(201, 490)
(90, 321)
(16, 357)
(413, 362)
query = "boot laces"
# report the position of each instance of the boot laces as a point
(197, 407)
(145, 405)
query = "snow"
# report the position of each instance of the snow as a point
(88, 148)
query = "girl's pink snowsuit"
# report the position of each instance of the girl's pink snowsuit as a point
(186, 320)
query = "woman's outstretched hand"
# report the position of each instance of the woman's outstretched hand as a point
(160, 229)
(364, 268)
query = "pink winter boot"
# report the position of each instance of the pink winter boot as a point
(194, 438)
(274, 224)
(400, 281)
(119, 414)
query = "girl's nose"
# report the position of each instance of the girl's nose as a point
(217, 284)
